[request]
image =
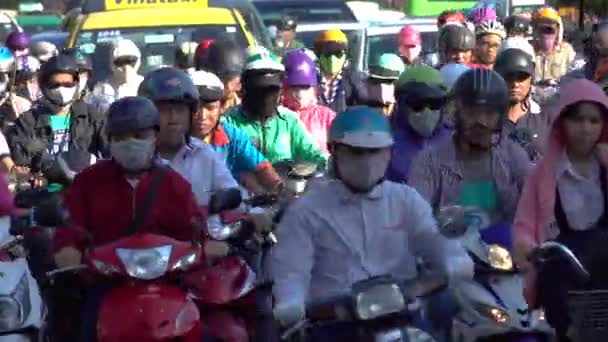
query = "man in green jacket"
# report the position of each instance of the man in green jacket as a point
(286, 36)
(276, 131)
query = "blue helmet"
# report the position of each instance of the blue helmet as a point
(451, 72)
(7, 61)
(361, 126)
(131, 113)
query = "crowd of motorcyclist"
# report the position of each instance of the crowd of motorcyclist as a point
(398, 144)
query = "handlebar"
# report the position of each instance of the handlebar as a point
(551, 250)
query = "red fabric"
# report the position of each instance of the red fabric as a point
(219, 136)
(102, 203)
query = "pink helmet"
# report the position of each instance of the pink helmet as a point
(482, 14)
(409, 35)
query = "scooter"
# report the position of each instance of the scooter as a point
(491, 306)
(146, 302)
(376, 309)
(22, 311)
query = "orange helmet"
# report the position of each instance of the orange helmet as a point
(547, 14)
(332, 39)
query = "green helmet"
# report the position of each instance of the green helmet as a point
(361, 126)
(388, 67)
(262, 59)
(422, 82)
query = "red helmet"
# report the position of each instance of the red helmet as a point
(409, 35)
(450, 16)
(201, 53)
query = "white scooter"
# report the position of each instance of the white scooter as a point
(22, 313)
(491, 305)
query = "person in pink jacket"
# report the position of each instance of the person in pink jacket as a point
(565, 197)
(300, 95)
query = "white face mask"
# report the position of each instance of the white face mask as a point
(362, 172)
(61, 96)
(424, 122)
(133, 154)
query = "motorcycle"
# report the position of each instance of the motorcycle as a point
(376, 309)
(491, 306)
(23, 314)
(234, 292)
(298, 176)
(587, 307)
(146, 302)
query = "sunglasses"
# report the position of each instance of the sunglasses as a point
(338, 54)
(56, 85)
(546, 29)
(419, 105)
(127, 60)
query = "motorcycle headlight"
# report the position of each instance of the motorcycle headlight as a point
(496, 314)
(149, 263)
(219, 231)
(500, 258)
(15, 308)
(379, 300)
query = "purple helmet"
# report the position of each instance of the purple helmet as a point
(299, 69)
(482, 14)
(17, 40)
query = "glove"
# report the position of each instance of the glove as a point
(289, 313)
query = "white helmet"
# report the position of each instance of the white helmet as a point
(43, 50)
(125, 47)
(520, 43)
(490, 27)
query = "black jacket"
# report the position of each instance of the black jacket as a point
(34, 127)
(350, 93)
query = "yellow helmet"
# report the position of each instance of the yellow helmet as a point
(548, 14)
(330, 40)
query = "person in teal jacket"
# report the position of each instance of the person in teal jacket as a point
(246, 163)
(276, 131)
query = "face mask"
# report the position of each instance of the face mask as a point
(362, 172)
(133, 154)
(332, 64)
(261, 104)
(547, 41)
(300, 99)
(424, 122)
(61, 96)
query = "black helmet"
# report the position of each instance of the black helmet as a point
(169, 84)
(518, 24)
(482, 87)
(225, 59)
(512, 61)
(131, 113)
(455, 37)
(287, 23)
(63, 63)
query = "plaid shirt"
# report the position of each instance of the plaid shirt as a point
(329, 90)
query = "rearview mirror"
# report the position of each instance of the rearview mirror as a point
(224, 200)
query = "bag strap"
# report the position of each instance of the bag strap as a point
(145, 206)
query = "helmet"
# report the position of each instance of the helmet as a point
(482, 14)
(225, 59)
(43, 50)
(482, 87)
(27, 67)
(184, 55)
(512, 61)
(83, 61)
(422, 82)
(18, 40)
(361, 126)
(520, 43)
(547, 14)
(7, 61)
(490, 27)
(409, 36)
(63, 63)
(263, 60)
(131, 113)
(450, 16)
(330, 40)
(169, 84)
(299, 69)
(518, 24)
(388, 67)
(454, 37)
(287, 23)
(451, 72)
(210, 87)
(201, 54)
(125, 48)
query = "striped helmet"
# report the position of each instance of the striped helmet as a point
(482, 87)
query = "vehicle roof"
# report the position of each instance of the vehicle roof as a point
(325, 26)
(150, 17)
(394, 27)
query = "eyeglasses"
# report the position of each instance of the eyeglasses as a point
(126, 60)
(55, 85)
